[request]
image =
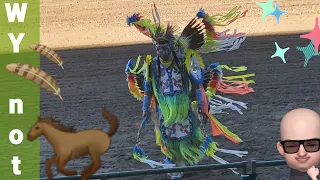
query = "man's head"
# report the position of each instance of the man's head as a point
(300, 124)
(163, 49)
(164, 39)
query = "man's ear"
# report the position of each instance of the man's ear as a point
(280, 148)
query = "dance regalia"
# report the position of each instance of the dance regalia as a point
(173, 94)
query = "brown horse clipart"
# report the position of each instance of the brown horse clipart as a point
(69, 144)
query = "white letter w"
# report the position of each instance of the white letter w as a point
(16, 11)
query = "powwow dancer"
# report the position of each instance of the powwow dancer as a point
(179, 93)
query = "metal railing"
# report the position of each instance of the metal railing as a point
(255, 164)
(102, 176)
(241, 165)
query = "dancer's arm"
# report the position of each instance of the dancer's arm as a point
(148, 91)
(146, 100)
(197, 88)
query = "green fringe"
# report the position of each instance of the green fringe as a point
(174, 108)
(187, 150)
(211, 150)
(224, 19)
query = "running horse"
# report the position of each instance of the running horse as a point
(69, 144)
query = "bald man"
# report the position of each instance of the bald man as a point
(300, 139)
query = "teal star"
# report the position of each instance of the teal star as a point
(280, 52)
(308, 52)
(277, 13)
(267, 8)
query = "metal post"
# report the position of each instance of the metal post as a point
(244, 175)
(253, 175)
(253, 166)
(244, 167)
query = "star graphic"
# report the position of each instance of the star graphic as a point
(277, 13)
(267, 8)
(280, 52)
(315, 33)
(308, 52)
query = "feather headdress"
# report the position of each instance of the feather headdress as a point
(162, 35)
(192, 37)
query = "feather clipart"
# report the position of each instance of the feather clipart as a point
(47, 52)
(36, 75)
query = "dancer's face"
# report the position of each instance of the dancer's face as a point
(297, 128)
(164, 52)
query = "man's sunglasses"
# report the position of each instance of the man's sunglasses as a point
(292, 146)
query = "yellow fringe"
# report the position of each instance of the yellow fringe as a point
(166, 153)
(158, 137)
(133, 71)
(239, 77)
(234, 69)
(211, 149)
(158, 142)
(247, 81)
(188, 55)
(141, 69)
(224, 20)
(194, 105)
(137, 63)
(210, 92)
(148, 61)
(224, 128)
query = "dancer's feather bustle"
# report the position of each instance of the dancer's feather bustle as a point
(194, 33)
